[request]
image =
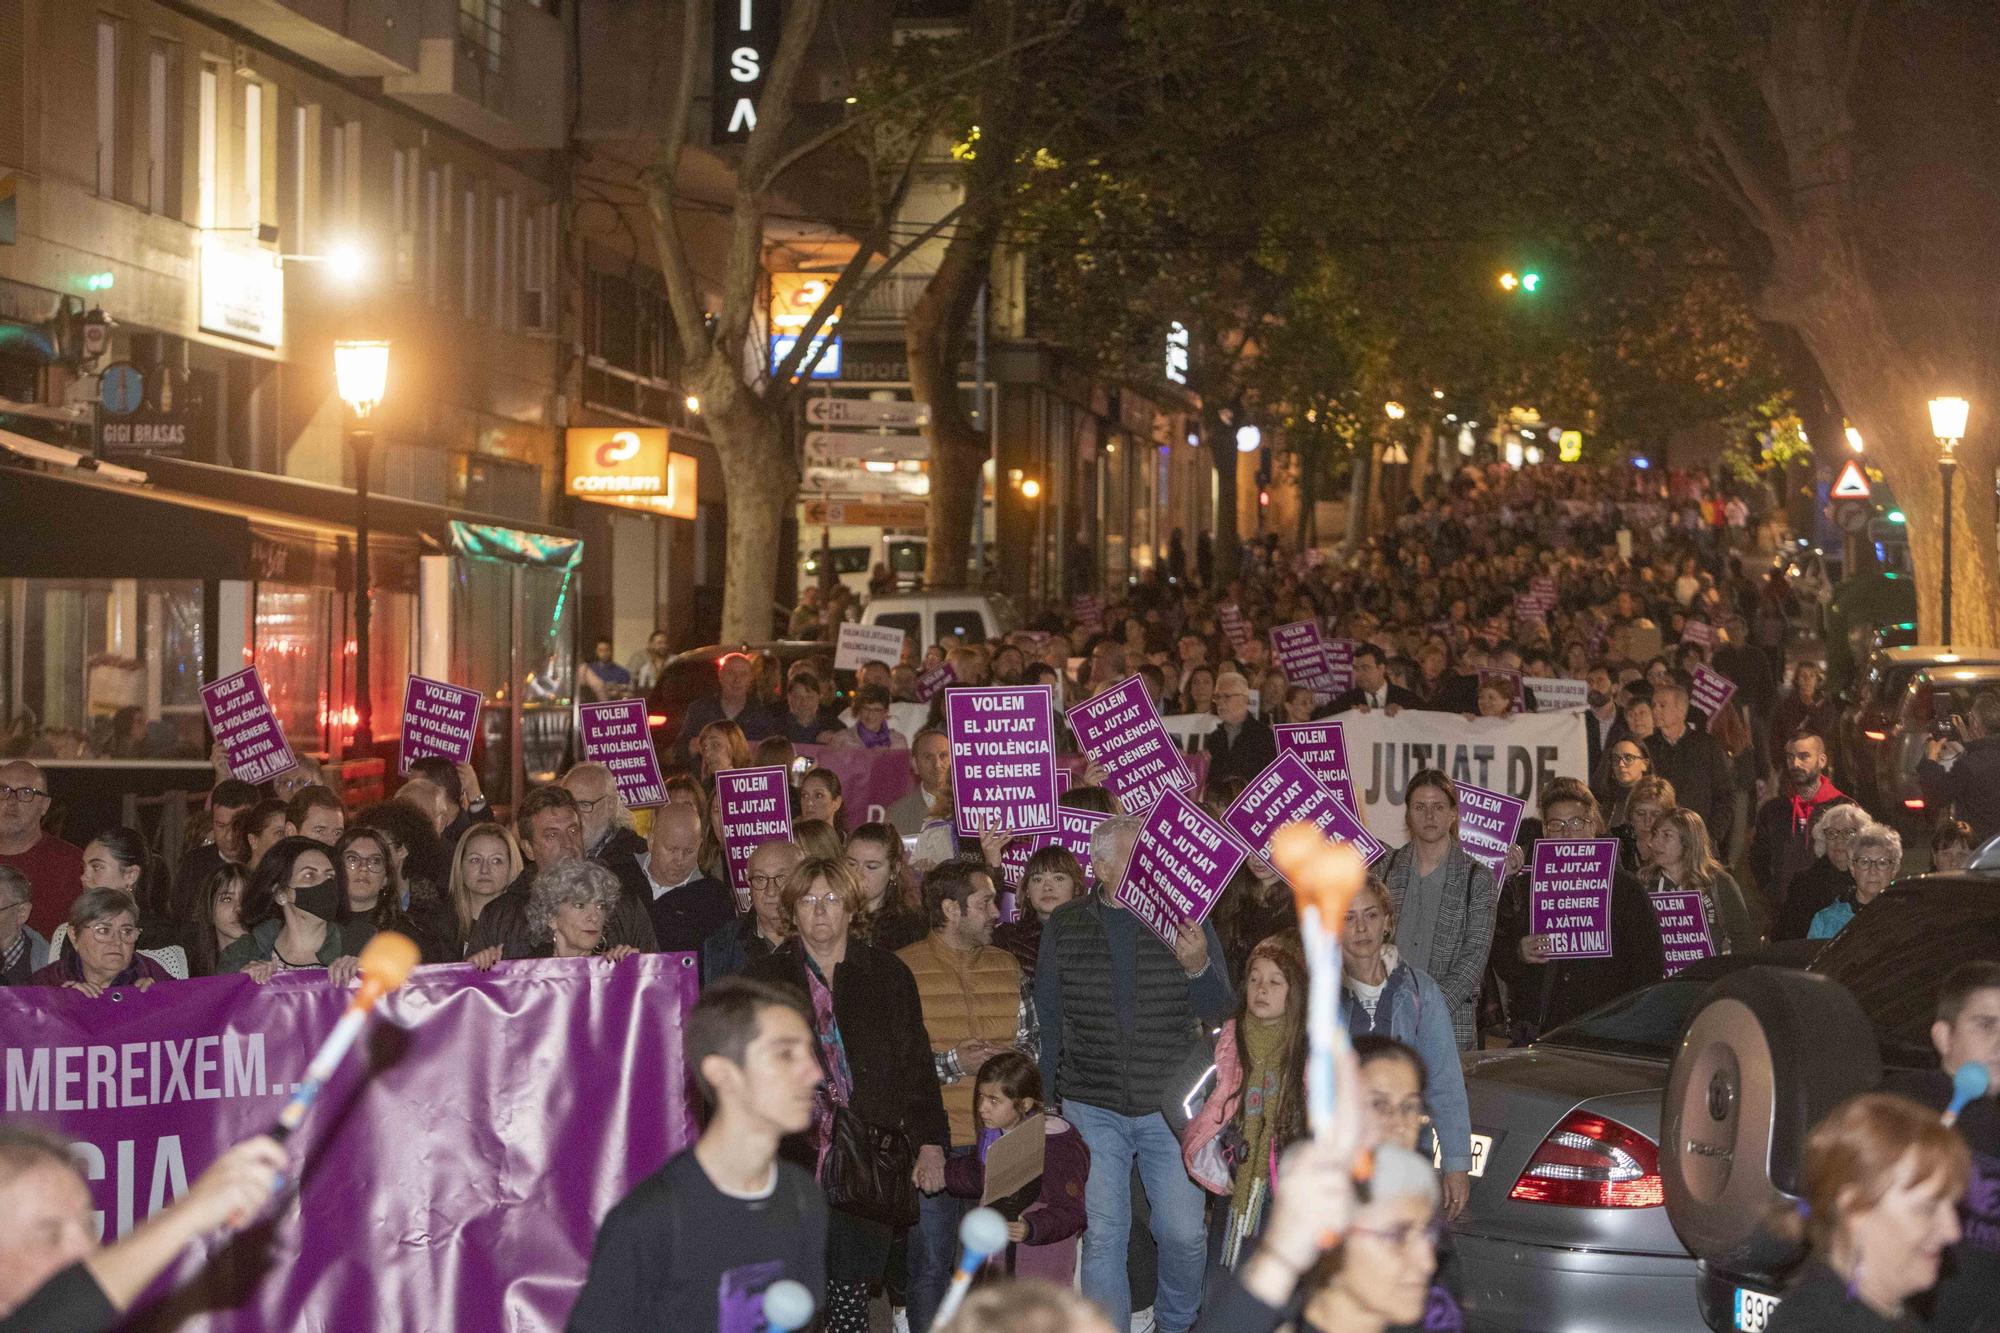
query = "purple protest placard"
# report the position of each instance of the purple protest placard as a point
(1698, 631)
(870, 780)
(753, 806)
(1231, 617)
(1121, 730)
(1684, 933)
(1087, 609)
(1323, 749)
(1487, 823)
(1003, 757)
(1286, 792)
(239, 713)
(1072, 831)
(1179, 867)
(1543, 586)
(1300, 652)
(1569, 899)
(1338, 676)
(443, 1148)
(614, 734)
(439, 719)
(1711, 690)
(937, 678)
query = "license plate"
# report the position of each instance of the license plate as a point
(1754, 1310)
(1482, 1145)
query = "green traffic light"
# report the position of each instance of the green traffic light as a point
(99, 282)
(1531, 282)
(1896, 516)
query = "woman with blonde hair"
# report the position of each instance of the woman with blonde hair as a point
(1632, 822)
(721, 745)
(1882, 1184)
(1680, 858)
(486, 860)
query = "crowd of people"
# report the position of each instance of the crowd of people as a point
(881, 1003)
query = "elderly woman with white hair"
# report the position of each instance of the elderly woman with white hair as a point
(1827, 880)
(568, 907)
(1873, 858)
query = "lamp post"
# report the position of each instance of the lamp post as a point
(1948, 425)
(361, 372)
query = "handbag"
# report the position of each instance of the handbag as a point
(868, 1171)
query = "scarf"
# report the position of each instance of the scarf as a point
(838, 1086)
(72, 967)
(1803, 807)
(873, 740)
(1261, 1045)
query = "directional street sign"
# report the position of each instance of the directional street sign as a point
(866, 412)
(858, 444)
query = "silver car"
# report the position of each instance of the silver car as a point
(1566, 1228)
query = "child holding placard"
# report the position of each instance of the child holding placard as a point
(1043, 1236)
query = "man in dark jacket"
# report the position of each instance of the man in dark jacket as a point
(1243, 745)
(1371, 687)
(751, 937)
(686, 905)
(1968, 774)
(1693, 761)
(1781, 841)
(1118, 1012)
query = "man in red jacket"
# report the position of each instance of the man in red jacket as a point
(53, 866)
(1781, 841)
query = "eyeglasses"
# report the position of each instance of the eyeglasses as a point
(372, 864)
(1400, 1235)
(830, 901)
(1838, 834)
(587, 806)
(22, 794)
(104, 932)
(1872, 863)
(758, 882)
(1617, 758)
(1407, 1110)
(1579, 824)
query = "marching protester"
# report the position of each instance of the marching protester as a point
(1962, 772)
(1680, 857)
(1828, 879)
(868, 1025)
(1255, 905)
(1952, 845)
(695, 1245)
(1108, 1060)
(568, 913)
(1692, 760)
(1241, 746)
(262, 825)
(119, 858)
(1395, 1089)
(290, 913)
(24, 951)
(212, 840)
(52, 866)
(103, 955)
(930, 761)
(485, 861)
(686, 906)
(1873, 858)
(820, 798)
(464, 802)
(552, 833)
(894, 915)
(1781, 847)
(316, 812)
(1441, 900)
(218, 919)
(754, 935)
(1008, 1095)
(1648, 799)
(1051, 879)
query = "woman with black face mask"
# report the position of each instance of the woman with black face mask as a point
(289, 910)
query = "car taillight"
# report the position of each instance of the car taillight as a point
(1588, 1161)
(1913, 802)
(1875, 735)
(656, 719)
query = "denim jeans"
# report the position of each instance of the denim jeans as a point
(933, 1251)
(1116, 1142)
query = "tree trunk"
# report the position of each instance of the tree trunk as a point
(934, 335)
(760, 475)
(1309, 463)
(1228, 540)
(1360, 479)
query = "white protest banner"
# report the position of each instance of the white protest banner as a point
(861, 644)
(1559, 694)
(1516, 756)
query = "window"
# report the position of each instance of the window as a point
(433, 237)
(107, 107)
(469, 235)
(163, 129)
(503, 254)
(534, 269)
(480, 31)
(253, 154)
(205, 164)
(305, 176)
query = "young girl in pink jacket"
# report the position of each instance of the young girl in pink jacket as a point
(1009, 1090)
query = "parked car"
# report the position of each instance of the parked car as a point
(691, 675)
(1566, 1219)
(1768, 1051)
(1882, 729)
(943, 615)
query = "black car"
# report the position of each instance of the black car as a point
(692, 675)
(1770, 1051)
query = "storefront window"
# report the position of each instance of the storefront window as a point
(293, 652)
(100, 669)
(548, 662)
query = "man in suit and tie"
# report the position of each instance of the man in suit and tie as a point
(1242, 746)
(1372, 689)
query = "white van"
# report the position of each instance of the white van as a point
(856, 552)
(944, 616)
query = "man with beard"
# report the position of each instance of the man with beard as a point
(1781, 840)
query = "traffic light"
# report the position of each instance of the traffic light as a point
(1529, 282)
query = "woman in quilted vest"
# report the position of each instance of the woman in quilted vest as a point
(1257, 1106)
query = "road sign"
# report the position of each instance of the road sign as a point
(1852, 483)
(847, 479)
(858, 444)
(1851, 515)
(121, 388)
(866, 412)
(867, 513)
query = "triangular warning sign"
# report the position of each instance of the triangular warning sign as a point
(1852, 483)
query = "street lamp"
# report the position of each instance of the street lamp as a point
(1393, 410)
(360, 374)
(1948, 425)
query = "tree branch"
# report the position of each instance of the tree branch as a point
(1856, 29)
(1766, 213)
(657, 181)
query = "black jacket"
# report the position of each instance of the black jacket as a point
(1780, 851)
(1702, 775)
(882, 1025)
(684, 917)
(1397, 697)
(1813, 889)
(1818, 1302)
(1248, 755)
(1971, 784)
(1546, 995)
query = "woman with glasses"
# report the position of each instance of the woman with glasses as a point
(1632, 824)
(1442, 899)
(104, 933)
(1545, 990)
(1395, 1089)
(570, 905)
(872, 1044)
(291, 909)
(1385, 997)
(1625, 762)
(1873, 858)
(1829, 879)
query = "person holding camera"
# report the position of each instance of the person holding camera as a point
(1965, 770)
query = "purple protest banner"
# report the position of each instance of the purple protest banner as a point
(1487, 823)
(937, 678)
(1323, 749)
(439, 719)
(1003, 757)
(1569, 899)
(1179, 867)
(239, 713)
(614, 734)
(870, 780)
(1072, 831)
(1684, 933)
(1698, 631)
(1299, 651)
(1338, 675)
(1711, 690)
(436, 1151)
(1233, 623)
(1287, 792)
(1121, 730)
(752, 807)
